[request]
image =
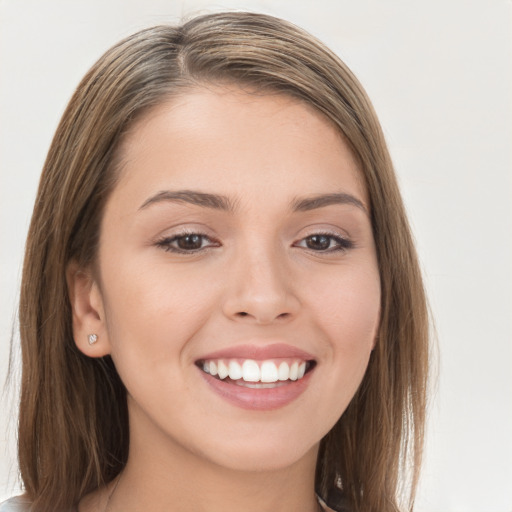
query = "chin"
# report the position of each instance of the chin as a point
(263, 457)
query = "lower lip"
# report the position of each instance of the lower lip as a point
(262, 399)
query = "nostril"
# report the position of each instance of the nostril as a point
(281, 316)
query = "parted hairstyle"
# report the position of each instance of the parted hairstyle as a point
(73, 421)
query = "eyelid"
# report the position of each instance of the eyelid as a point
(344, 242)
(165, 241)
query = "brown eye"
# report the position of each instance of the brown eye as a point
(324, 242)
(318, 242)
(189, 242)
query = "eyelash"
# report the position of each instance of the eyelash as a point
(166, 243)
(341, 244)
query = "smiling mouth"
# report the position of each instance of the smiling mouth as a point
(256, 374)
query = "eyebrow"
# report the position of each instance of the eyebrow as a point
(215, 201)
(321, 200)
(220, 202)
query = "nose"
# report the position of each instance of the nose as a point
(260, 289)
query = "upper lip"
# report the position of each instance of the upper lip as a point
(259, 352)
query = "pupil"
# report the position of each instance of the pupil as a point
(318, 242)
(190, 242)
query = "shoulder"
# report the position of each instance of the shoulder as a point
(334, 502)
(324, 506)
(17, 504)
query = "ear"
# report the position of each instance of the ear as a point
(88, 313)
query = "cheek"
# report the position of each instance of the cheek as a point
(151, 310)
(151, 315)
(348, 307)
(348, 314)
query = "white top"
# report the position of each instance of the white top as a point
(17, 504)
(22, 504)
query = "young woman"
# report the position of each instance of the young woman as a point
(221, 305)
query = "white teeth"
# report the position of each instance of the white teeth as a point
(265, 372)
(223, 370)
(235, 370)
(258, 385)
(284, 371)
(302, 370)
(251, 371)
(294, 371)
(269, 372)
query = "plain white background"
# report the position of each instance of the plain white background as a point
(439, 74)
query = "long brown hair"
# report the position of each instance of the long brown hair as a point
(73, 426)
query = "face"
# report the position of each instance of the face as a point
(237, 287)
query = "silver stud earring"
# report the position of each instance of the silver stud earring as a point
(93, 338)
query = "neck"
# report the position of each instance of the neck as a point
(210, 488)
(162, 475)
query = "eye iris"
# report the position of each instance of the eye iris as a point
(318, 242)
(189, 242)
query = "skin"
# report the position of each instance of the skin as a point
(257, 278)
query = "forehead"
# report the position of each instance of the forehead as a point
(231, 139)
